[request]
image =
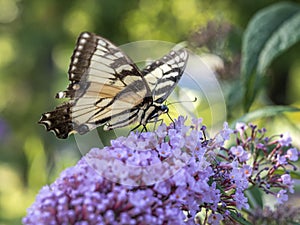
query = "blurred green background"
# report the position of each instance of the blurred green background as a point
(37, 38)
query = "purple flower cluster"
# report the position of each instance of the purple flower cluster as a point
(268, 160)
(169, 176)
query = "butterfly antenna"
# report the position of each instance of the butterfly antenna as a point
(171, 103)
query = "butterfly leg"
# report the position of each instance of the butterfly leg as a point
(171, 119)
(144, 128)
(157, 121)
(136, 127)
(204, 135)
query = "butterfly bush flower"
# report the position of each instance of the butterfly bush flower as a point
(173, 175)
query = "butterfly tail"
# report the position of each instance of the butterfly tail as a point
(59, 120)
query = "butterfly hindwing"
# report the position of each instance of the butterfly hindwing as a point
(163, 75)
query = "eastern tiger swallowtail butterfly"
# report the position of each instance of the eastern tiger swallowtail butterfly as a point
(107, 88)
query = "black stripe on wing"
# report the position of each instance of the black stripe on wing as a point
(163, 74)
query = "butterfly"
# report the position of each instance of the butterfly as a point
(107, 88)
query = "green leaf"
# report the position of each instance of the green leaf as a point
(270, 32)
(239, 219)
(295, 175)
(285, 36)
(254, 196)
(267, 111)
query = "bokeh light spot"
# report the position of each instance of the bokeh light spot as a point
(7, 53)
(77, 21)
(8, 11)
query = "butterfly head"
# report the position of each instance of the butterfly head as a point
(155, 111)
(164, 109)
